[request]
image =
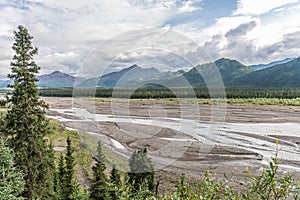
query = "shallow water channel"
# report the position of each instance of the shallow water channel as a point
(255, 137)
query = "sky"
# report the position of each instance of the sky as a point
(91, 37)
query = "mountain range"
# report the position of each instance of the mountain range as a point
(130, 74)
(279, 74)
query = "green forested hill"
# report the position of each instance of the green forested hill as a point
(285, 75)
(229, 70)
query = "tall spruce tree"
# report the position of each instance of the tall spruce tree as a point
(141, 170)
(66, 187)
(11, 180)
(99, 188)
(58, 177)
(25, 122)
(116, 183)
(69, 185)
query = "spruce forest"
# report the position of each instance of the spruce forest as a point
(31, 168)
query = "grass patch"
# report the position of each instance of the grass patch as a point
(86, 146)
(83, 158)
(208, 101)
(243, 101)
(265, 101)
(112, 157)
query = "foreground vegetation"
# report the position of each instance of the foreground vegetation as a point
(140, 186)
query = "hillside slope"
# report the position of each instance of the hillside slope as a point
(229, 70)
(286, 75)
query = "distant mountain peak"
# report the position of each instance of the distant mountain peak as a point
(58, 79)
(132, 67)
(228, 60)
(223, 59)
(57, 72)
(124, 76)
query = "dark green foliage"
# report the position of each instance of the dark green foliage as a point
(59, 178)
(50, 170)
(2, 103)
(25, 121)
(66, 187)
(99, 188)
(115, 177)
(175, 93)
(141, 171)
(116, 183)
(68, 177)
(69, 189)
(61, 168)
(11, 180)
(2, 123)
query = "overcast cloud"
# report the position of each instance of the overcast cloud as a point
(251, 31)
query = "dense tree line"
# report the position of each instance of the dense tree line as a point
(171, 93)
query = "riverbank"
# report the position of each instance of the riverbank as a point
(180, 137)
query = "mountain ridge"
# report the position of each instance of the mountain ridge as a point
(130, 74)
(270, 64)
(55, 79)
(228, 69)
(234, 74)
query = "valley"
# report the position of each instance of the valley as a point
(164, 100)
(183, 136)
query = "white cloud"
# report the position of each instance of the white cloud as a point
(254, 38)
(258, 7)
(66, 32)
(150, 4)
(188, 6)
(221, 26)
(141, 47)
(62, 27)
